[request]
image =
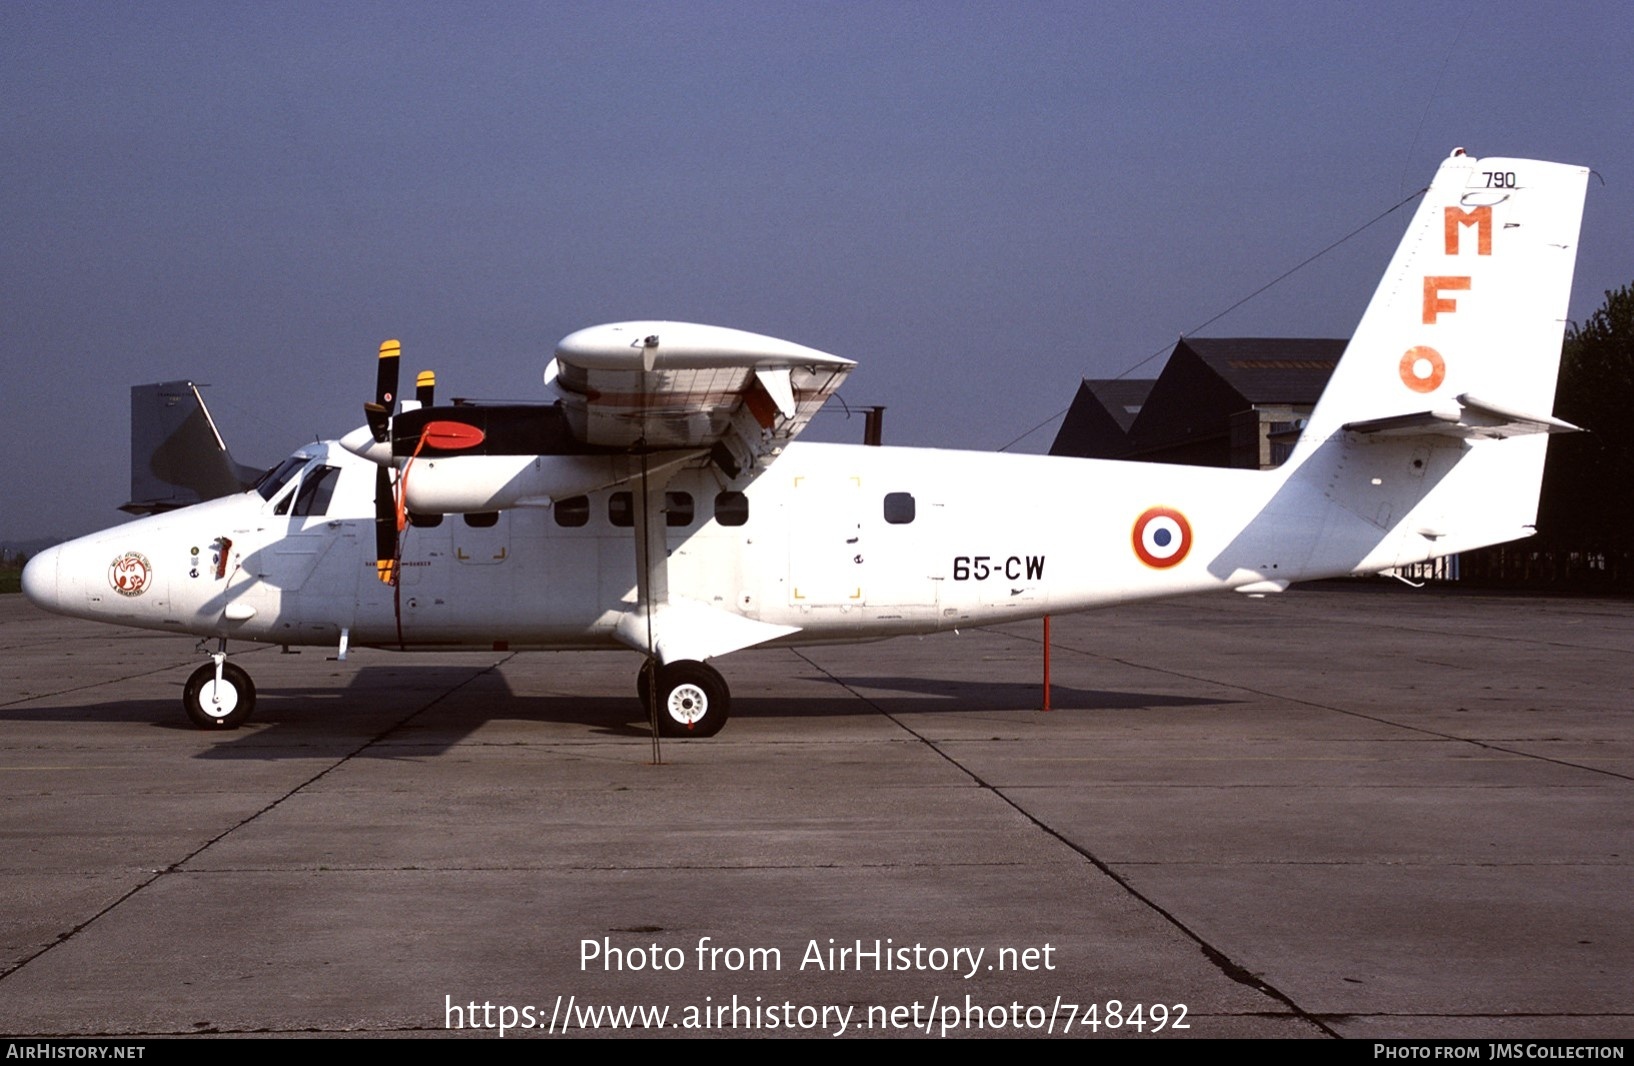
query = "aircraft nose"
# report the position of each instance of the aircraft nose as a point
(40, 579)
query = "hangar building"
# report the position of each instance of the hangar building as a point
(1220, 401)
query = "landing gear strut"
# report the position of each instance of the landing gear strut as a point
(693, 700)
(219, 695)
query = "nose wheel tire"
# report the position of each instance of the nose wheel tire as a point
(693, 700)
(223, 705)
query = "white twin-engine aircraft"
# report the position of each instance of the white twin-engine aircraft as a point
(661, 505)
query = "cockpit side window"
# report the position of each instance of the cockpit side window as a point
(316, 489)
(279, 476)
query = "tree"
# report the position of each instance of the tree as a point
(1588, 484)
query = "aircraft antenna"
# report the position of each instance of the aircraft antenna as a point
(1302, 264)
(1435, 94)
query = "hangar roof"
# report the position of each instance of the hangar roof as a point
(1205, 381)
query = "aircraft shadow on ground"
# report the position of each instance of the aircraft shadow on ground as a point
(454, 702)
(1006, 696)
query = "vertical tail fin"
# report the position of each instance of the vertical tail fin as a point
(1473, 305)
(1430, 436)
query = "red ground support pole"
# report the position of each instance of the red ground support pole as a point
(1046, 662)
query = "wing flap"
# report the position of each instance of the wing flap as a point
(683, 385)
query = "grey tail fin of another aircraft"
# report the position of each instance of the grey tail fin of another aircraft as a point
(177, 456)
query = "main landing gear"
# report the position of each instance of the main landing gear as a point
(693, 700)
(219, 695)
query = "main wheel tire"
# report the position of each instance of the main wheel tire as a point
(224, 706)
(693, 700)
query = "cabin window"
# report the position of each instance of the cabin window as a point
(317, 488)
(482, 519)
(731, 508)
(424, 521)
(899, 508)
(572, 511)
(678, 508)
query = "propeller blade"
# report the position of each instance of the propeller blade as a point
(385, 527)
(425, 387)
(380, 411)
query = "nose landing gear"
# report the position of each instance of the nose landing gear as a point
(219, 695)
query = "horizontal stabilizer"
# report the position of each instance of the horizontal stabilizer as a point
(1472, 420)
(687, 629)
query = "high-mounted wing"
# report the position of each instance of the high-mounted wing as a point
(631, 397)
(668, 385)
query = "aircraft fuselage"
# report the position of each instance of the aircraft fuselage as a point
(841, 542)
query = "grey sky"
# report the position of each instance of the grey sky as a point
(980, 203)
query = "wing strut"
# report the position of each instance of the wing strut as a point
(651, 572)
(651, 584)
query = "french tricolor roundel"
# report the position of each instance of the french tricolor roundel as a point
(1162, 537)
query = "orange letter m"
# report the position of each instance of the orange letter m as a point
(1480, 218)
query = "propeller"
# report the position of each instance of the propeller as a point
(391, 499)
(378, 414)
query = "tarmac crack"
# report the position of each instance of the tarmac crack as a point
(31, 697)
(1377, 719)
(179, 864)
(1394, 626)
(1223, 962)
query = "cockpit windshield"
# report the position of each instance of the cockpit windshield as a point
(280, 475)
